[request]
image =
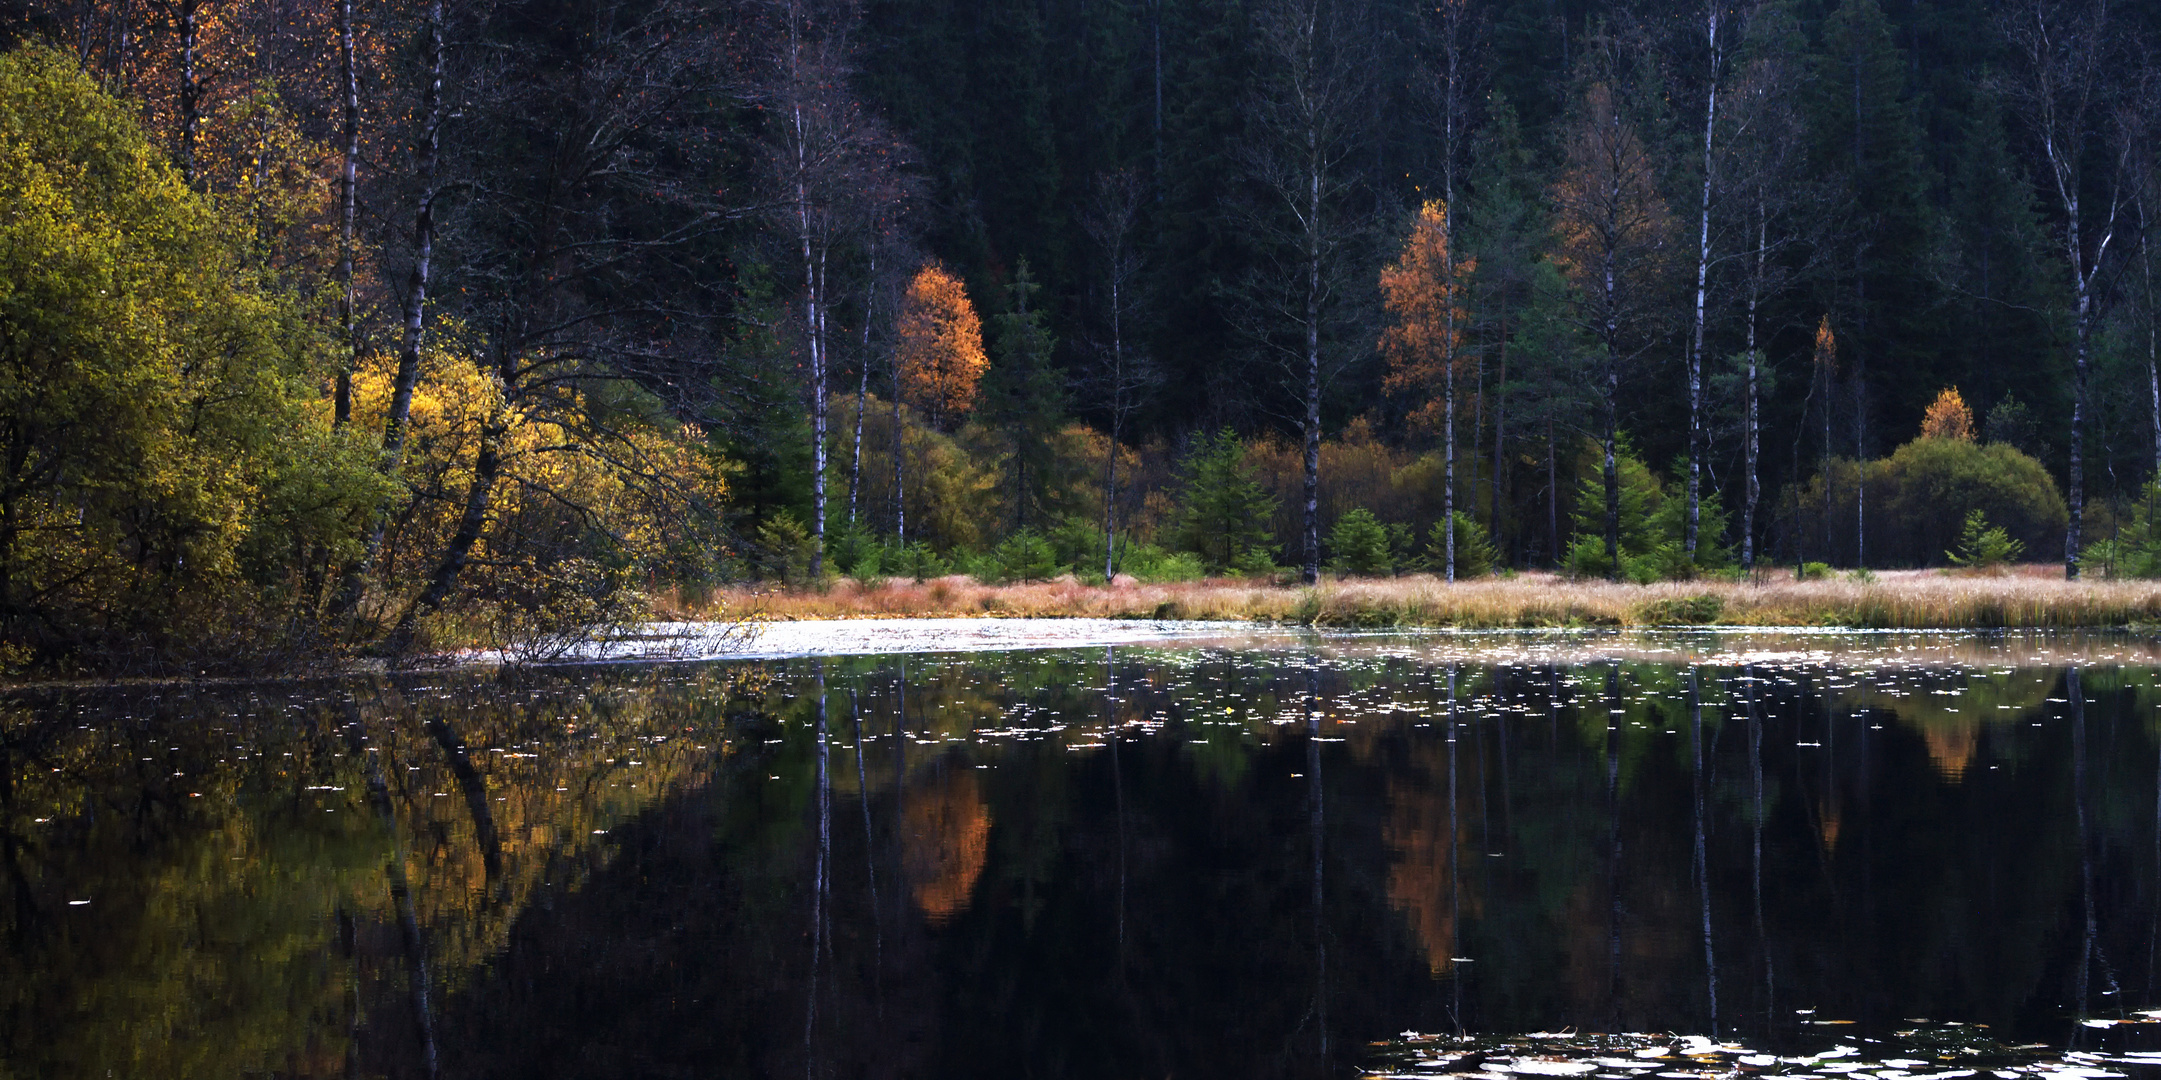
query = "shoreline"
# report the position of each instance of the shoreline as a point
(2027, 598)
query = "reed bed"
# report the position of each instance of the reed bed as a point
(2028, 597)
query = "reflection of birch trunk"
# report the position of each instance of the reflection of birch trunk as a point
(2085, 851)
(1755, 775)
(870, 846)
(2153, 935)
(1118, 788)
(1314, 822)
(900, 779)
(475, 790)
(1703, 867)
(1613, 847)
(416, 953)
(1455, 868)
(820, 879)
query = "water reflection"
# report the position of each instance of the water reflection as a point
(1116, 862)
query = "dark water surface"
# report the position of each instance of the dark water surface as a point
(1140, 862)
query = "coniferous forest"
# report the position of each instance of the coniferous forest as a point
(390, 325)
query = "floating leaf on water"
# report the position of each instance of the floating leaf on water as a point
(1548, 1067)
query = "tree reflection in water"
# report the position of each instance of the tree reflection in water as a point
(1129, 862)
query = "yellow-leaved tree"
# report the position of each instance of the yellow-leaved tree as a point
(939, 356)
(1948, 417)
(1423, 291)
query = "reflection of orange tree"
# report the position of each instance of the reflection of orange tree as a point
(1423, 878)
(1949, 709)
(947, 838)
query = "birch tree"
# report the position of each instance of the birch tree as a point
(1123, 376)
(2065, 84)
(1304, 113)
(1423, 292)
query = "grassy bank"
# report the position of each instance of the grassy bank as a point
(2028, 597)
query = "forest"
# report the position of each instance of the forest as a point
(392, 325)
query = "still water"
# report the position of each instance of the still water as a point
(1132, 862)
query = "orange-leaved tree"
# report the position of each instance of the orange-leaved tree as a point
(1423, 291)
(1948, 417)
(939, 355)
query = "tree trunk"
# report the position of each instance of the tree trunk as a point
(862, 385)
(1311, 572)
(812, 248)
(348, 213)
(1448, 431)
(1703, 273)
(1500, 428)
(1751, 447)
(426, 157)
(1611, 474)
(426, 154)
(1451, 104)
(1553, 499)
(189, 17)
(2153, 363)
(1612, 392)
(900, 495)
(2077, 495)
(472, 519)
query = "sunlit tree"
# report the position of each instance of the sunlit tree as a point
(1423, 291)
(939, 353)
(1948, 417)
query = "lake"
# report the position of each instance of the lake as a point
(1296, 856)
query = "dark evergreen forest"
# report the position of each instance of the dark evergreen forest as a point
(430, 316)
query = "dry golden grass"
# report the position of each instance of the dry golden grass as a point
(2026, 597)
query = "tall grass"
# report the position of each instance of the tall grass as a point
(1892, 600)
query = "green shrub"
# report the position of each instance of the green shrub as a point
(785, 549)
(1023, 556)
(916, 561)
(2134, 549)
(1475, 554)
(1147, 562)
(1358, 544)
(1812, 571)
(1682, 611)
(1918, 500)
(1653, 526)
(1223, 510)
(1982, 546)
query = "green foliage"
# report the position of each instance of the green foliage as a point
(1359, 544)
(1682, 611)
(1982, 546)
(1812, 571)
(1024, 403)
(1921, 495)
(917, 560)
(1653, 527)
(785, 548)
(161, 469)
(1223, 510)
(1149, 563)
(1023, 556)
(1475, 553)
(2134, 548)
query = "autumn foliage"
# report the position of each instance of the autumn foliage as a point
(1423, 291)
(1948, 417)
(939, 354)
